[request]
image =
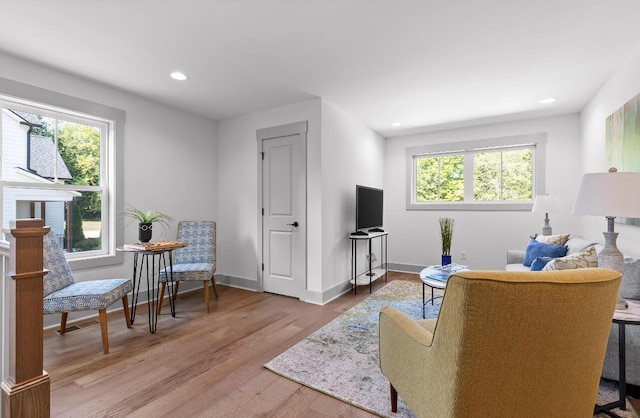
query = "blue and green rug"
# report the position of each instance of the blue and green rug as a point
(341, 358)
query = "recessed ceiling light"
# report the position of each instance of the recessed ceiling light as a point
(177, 75)
(547, 100)
(396, 124)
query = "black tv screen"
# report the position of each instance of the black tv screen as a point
(368, 207)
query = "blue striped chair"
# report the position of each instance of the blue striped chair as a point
(63, 295)
(195, 262)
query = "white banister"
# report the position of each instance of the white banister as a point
(4, 248)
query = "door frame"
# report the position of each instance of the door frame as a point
(291, 129)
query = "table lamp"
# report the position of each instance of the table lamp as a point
(611, 195)
(545, 204)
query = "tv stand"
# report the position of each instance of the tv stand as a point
(376, 230)
(372, 274)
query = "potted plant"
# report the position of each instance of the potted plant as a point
(446, 232)
(145, 221)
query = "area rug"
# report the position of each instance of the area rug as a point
(341, 358)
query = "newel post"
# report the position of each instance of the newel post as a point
(26, 391)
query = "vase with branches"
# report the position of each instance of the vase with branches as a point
(145, 221)
(446, 233)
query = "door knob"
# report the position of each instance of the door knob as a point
(294, 224)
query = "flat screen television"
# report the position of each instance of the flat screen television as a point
(368, 208)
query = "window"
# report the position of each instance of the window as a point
(58, 164)
(491, 174)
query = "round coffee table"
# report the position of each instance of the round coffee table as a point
(436, 279)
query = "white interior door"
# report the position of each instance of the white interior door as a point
(284, 209)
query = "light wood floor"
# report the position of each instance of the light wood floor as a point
(196, 364)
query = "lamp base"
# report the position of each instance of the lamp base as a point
(546, 229)
(611, 258)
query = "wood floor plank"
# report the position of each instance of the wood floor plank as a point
(196, 364)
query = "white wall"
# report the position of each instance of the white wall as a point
(620, 88)
(238, 191)
(341, 153)
(351, 154)
(170, 157)
(414, 238)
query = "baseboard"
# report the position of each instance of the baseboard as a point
(405, 268)
(240, 283)
(316, 298)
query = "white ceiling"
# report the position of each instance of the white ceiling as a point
(428, 64)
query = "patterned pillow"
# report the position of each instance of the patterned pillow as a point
(585, 258)
(559, 239)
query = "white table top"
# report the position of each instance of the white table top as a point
(631, 314)
(434, 278)
(369, 235)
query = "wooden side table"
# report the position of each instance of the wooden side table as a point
(146, 257)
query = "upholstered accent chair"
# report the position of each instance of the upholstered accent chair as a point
(196, 261)
(512, 344)
(63, 295)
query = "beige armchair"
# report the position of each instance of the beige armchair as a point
(517, 344)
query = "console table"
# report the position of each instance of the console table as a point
(372, 274)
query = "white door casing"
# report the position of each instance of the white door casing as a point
(283, 208)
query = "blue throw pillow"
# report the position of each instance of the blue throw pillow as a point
(539, 263)
(540, 249)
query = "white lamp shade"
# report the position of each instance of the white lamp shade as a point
(609, 194)
(546, 204)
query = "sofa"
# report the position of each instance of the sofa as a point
(629, 289)
(574, 245)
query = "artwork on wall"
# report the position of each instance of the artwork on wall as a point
(623, 142)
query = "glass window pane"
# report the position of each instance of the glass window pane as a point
(40, 153)
(440, 178)
(84, 226)
(427, 179)
(452, 178)
(517, 175)
(503, 175)
(79, 147)
(63, 211)
(486, 176)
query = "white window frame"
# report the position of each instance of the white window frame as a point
(111, 161)
(536, 141)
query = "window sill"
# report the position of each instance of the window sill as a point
(97, 261)
(469, 206)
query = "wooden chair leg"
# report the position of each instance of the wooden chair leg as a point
(125, 305)
(175, 290)
(394, 398)
(206, 294)
(161, 296)
(63, 323)
(213, 284)
(103, 328)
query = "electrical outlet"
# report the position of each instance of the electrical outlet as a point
(463, 255)
(373, 258)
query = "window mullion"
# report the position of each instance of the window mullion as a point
(501, 177)
(468, 177)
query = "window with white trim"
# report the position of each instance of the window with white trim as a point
(59, 164)
(490, 174)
